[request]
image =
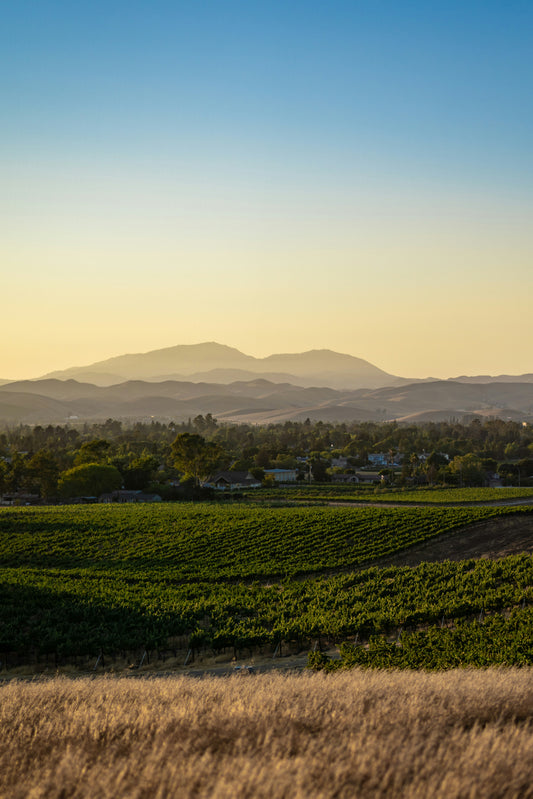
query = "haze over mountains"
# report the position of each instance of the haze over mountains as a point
(217, 363)
(179, 382)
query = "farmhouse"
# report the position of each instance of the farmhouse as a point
(339, 463)
(344, 478)
(228, 480)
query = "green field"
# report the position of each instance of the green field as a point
(329, 492)
(216, 542)
(498, 640)
(80, 579)
(452, 495)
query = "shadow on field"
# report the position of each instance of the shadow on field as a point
(39, 624)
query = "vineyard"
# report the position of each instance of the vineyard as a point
(329, 492)
(212, 542)
(452, 495)
(85, 579)
(498, 640)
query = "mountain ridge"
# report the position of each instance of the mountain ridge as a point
(175, 383)
(221, 363)
(54, 401)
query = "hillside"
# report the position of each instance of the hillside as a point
(222, 364)
(223, 579)
(258, 401)
(175, 383)
(491, 539)
(527, 378)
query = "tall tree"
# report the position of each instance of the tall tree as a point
(43, 470)
(195, 456)
(94, 451)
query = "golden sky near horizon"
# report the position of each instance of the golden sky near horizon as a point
(417, 304)
(356, 179)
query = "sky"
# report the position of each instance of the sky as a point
(278, 177)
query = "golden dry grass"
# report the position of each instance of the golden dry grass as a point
(351, 734)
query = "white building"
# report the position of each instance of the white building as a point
(283, 475)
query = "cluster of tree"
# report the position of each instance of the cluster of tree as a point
(63, 461)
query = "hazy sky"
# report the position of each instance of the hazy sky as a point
(275, 176)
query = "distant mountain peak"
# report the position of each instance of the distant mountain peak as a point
(318, 367)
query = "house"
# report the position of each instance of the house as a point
(379, 459)
(344, 478)
(85, 500)
(339, 463)
(370, 478)
(283, 475)
(228, 481)
(129, 496)
(19, 498)
(385, 459)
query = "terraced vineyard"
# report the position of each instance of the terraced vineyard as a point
(77, 580)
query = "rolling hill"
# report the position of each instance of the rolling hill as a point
(179, 382)
(54, 401)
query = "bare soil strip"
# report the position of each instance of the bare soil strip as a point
(495, 538)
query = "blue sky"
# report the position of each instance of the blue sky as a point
(356, 162)
(418, 85)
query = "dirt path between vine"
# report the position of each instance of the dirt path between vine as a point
(495, 538)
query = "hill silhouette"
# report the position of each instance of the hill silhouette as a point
(218, 363)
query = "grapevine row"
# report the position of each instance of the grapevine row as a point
(80, 611)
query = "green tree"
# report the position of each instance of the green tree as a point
(469, 469)
(89, 479)
(94, 451)
(434, 463)
(196, 457)
(319, 469)
(17, 474)
(204, 425)
(263, 457)
(140, 472)
(3, 475)
(44, 472)
(285, 462)
(512, 451)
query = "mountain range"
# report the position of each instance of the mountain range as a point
(217, 363)
(176, 383)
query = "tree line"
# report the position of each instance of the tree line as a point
(66, 460)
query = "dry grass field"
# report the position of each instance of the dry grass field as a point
(461, 733)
